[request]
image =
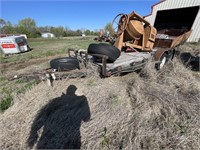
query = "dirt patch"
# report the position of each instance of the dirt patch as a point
(20, 65)
(13, 68)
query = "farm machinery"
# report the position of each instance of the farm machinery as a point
(103, 36)
(136, 41)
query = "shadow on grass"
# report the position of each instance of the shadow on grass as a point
(190, 61)
(57, 125)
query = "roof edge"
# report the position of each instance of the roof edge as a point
(153, 7)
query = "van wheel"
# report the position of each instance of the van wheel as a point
(104, 49)
(64, 64)
(162, 62)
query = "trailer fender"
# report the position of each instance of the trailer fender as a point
(160, 52)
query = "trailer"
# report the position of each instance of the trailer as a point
(13, 44)
(136, 42)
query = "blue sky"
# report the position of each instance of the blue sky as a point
(75, 14)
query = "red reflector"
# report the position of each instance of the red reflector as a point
(21, 44)
(8, 45)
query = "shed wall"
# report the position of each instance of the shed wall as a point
(175, 4)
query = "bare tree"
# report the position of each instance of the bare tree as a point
(27, 23)
(2, 24)
(109, 28)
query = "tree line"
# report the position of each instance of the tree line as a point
(28, 26)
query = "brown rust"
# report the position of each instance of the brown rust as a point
(159, 54)
(135, 32)
(180, 39)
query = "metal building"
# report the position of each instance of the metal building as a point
(48, 35)
(182, 14)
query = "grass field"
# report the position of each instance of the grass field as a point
(48, 47)
(43, 50)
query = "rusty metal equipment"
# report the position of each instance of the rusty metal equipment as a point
(137, 42)
(134, 32)
(103, 37)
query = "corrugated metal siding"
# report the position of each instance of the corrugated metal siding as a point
(173, 4)
(195, 36)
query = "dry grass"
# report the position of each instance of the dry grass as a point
(149, 110)
(166, 109)
(193, 48)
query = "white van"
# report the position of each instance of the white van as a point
(14, 44)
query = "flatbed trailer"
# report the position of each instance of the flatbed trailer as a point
(163, 51)
(136, 43)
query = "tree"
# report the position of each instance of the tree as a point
(83, 30)
(8, 23)
(87, 32)
(27, 23)
(61, 31)
(78, 32)
(2, 24)
(109, 28)
(35, 33)
(8, 29)
(22, 30)
(44, 29)
(58, 31)
(28, 26)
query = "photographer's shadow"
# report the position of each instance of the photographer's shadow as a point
(59, 122)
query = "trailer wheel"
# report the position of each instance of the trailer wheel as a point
(170, 56)
(162, 62)
(64, 64)
(104, 49)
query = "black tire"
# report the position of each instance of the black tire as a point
(190, 61)
(162, 62)
(185, 57)
(104, 49)
(64, 64)
(194, 63)
(170, 55)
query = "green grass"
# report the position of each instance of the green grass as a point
(20, 81)
(26, 87)
(48, 47)
(7, 100)
(41, 48)
(5, 103)
(3, 82)
(2, 79)
(9, 87)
